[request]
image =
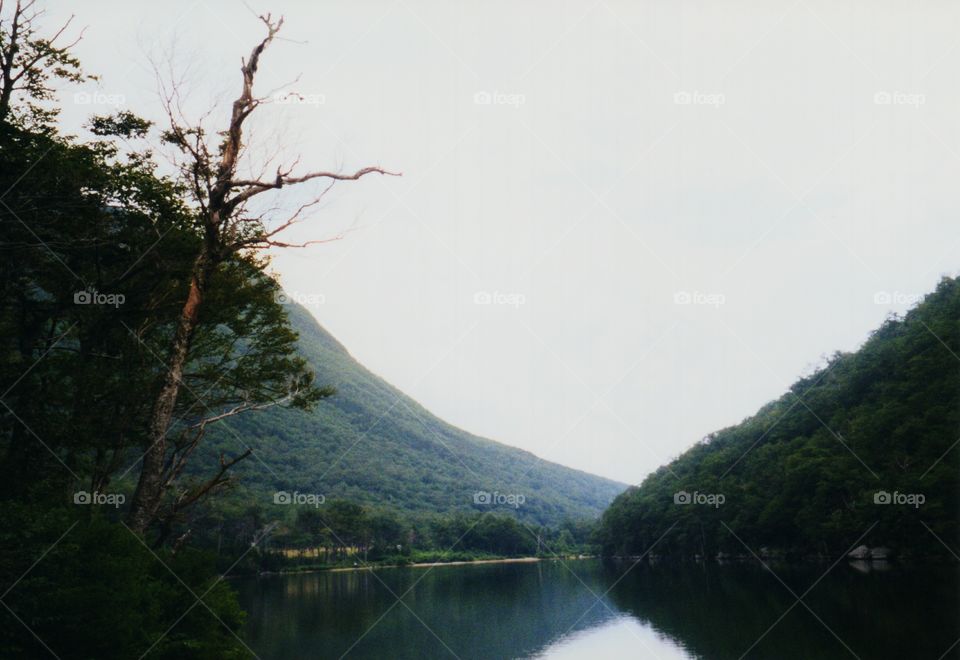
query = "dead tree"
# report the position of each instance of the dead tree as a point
(227, 229)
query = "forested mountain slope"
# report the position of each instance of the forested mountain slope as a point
(868, 440)
(372, 444)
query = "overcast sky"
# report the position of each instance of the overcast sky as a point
(620, 226)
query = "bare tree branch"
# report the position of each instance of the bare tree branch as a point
(221, 197)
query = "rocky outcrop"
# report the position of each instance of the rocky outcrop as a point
(864, 552)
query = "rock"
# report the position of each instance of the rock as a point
(860, 552)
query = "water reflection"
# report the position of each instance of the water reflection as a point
(586, 609)
(879, 611)
(619, 638)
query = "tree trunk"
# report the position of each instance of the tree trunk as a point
(146, 498)
(6, 69)
(221, 195)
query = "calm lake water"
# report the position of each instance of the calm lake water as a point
(589, 609)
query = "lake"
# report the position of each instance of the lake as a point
(600, 610)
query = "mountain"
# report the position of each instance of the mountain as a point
(864, 451)
(372, 444)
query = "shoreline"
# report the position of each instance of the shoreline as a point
(425, 564)
(432, 564)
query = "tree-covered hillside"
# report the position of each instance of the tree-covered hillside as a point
(369, 443)
(866, 446)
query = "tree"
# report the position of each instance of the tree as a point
(346, 523)
(78, 379)
(227, 229)
(29, 61)
(384, 532)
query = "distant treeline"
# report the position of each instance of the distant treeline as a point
(340, 532)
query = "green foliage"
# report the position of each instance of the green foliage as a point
(33, 63)
(408, 460)
(123, 124)
(339, 533)
(100, 577)
(801, 475)
(95, 252)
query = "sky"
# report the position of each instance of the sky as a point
(620, 226)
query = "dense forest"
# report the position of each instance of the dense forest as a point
(861, 452)
(408, 460)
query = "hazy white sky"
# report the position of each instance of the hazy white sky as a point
(588, 166)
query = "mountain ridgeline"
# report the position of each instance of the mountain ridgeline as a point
(371, 444)
(862, 452)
